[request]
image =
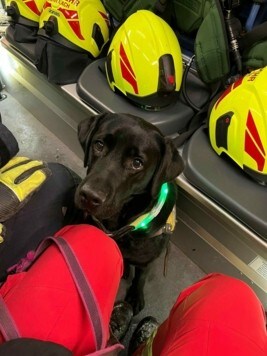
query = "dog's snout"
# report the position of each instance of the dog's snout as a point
(92, 197)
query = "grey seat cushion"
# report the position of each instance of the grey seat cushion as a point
(225, 183)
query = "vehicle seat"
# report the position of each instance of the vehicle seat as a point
(93, 89)
(225, 183)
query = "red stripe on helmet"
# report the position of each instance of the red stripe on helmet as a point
(126, 70)
(251, 126)
(105, 17)
(32, 5)
(128, 76)
(125, 59)
(47, 4)
(72, 18)
(238, 82)
(228, 90)
(255, 151)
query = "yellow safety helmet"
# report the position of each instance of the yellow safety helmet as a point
(238, 124)
(78, 24)
(144, 61)
(26, 12)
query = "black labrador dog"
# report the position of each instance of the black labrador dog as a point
(127, 160)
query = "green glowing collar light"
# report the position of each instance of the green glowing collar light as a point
(143, 221)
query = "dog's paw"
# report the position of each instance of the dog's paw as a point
(136, 300)
(120, 319)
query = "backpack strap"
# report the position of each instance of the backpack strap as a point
(85, 290)
(8, 325)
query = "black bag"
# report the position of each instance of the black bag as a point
(61, 65)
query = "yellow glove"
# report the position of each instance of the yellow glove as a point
(20, 178)
(2, 233)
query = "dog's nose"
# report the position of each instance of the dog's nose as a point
(92, 197)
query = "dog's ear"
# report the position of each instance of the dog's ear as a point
(170, 167)
(86, 130)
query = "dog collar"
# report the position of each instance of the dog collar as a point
(141, 223)
(160, 219)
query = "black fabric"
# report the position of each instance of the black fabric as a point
(32, 347)
(60, 64)
(40, 217)
(26, 48)
(257, 34)
(24, 33)
(8, 145)
(9, 202)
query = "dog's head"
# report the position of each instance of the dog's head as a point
(125, 156)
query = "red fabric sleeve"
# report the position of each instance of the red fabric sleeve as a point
(45, 303)
(217, 316)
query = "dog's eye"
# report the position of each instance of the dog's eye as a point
(98, 145)
(137, 163)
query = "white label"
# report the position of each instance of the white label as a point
(260, 266)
